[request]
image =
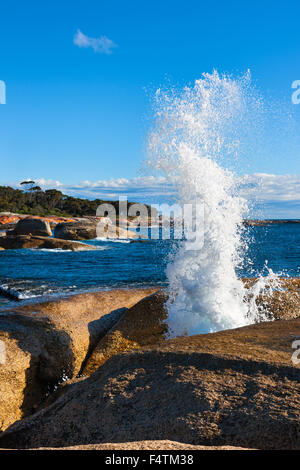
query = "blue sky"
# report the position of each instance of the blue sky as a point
(79, 116)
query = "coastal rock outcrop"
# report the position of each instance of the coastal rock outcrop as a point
(234, 388)
(279, 302)
(14, 242)
(86, 229)
(8, 220)
(33, 226)
(261, 222)
(114, 232)
(145, 445)
(50, 341)
(29, 346)
(143, 324)
(88, 317)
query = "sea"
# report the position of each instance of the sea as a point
(34, 275)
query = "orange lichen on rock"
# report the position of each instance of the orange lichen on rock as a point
(8, 219)
(52, 219)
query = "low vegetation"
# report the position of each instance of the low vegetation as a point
(31, 199)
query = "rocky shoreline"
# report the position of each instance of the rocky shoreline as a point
(8, 221)
(15, 242)
(19, 232)
(95, 369)
(266, 222)
(25, 231)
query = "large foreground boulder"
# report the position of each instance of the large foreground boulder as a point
(33, 226)
(237, 387)
(49, 342)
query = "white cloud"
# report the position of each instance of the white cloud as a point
(140, 189)
(273, 195)
(271, 188)
(103, 45)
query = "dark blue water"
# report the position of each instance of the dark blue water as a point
(279, 245)
(42, 273)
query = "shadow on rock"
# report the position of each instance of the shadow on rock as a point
(188, 389)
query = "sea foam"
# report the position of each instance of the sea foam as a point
(195, 142)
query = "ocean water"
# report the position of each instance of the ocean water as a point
(34, 275)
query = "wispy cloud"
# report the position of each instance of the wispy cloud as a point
(102, 45)
(148, 189)
(274, 196)
(271, 188)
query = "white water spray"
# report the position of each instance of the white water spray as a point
(197, 136)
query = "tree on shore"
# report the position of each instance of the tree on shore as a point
(31, 188)
(28, 185)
